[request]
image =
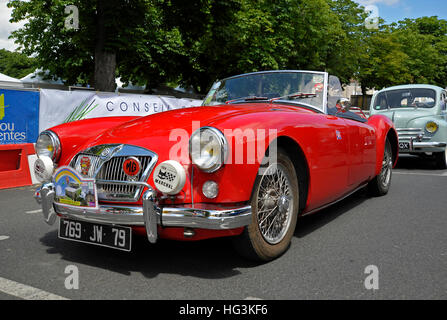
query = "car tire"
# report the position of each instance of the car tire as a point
(380, 185)
(275, 206)
(441, 160)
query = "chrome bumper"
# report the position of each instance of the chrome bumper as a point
(424, 146)
(149, 215)
(429, 145)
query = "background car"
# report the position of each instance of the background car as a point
(420, 117)
(265, 148)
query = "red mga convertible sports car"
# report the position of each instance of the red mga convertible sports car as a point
(264, 149)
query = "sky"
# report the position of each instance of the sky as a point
(390, 10)
(395, 10)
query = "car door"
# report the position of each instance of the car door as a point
(361, 152)
(328, 148)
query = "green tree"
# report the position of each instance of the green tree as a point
(424, 40)
(382, 61)
(15, 64)
(251, 35)
(410, 51)
(115, 37)
(345, 60)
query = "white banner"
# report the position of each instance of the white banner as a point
(57, 106)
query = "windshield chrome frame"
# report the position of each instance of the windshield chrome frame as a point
(325, 88)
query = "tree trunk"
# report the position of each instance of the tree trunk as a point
(105, 65)
(364, 89)
(105, 61)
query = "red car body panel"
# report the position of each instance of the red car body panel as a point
(341, 154)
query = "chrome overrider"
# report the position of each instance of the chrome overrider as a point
(149, 215)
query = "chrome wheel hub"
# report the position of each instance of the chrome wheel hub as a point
(283, 204)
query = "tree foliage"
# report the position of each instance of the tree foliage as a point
(15, 64)
(152, 42)
(132, 30)
(407, 52)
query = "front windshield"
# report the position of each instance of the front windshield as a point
(298, 86)
(405, 98)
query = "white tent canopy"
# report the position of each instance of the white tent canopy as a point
(4, 77)
(35, 77)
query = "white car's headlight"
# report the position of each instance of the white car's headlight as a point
(208, 149)
(431, 127)
(49, 145)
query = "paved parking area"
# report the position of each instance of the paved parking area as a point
(403, 234)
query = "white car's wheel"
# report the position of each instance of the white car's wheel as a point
(441, 160)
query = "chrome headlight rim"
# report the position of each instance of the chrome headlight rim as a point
(223, 143)
(431, 133)
(55, 143)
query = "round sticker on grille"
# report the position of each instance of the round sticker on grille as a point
(169, 177)
(131, 166)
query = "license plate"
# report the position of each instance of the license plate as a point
(115, 237)
(404, 146)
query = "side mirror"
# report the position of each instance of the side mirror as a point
(343, 105)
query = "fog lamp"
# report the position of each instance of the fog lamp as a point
(43, 168)
(210, 189)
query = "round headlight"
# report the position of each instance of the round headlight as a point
(48, 145)
(431, 127)
(208, 149)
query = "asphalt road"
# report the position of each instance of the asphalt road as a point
(403, 234)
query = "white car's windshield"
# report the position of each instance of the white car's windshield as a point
(304, 87)
(405, 98)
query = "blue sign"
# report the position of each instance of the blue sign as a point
(19, 116)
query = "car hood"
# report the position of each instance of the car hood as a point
(403, 117)
(152, 132)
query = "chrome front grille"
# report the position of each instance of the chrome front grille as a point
(106, 166)
(414, 134)
(112, 171)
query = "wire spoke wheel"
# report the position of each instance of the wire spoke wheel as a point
(275, 207)
(380, 185)
(387, 167)
(274, 204)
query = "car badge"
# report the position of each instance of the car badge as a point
(85, 165)
(338, 134)
(131, 167)
(105, 153)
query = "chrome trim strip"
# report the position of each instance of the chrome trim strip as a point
(408, 129)
(206, 219)
(127, 183)
(272, 71)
